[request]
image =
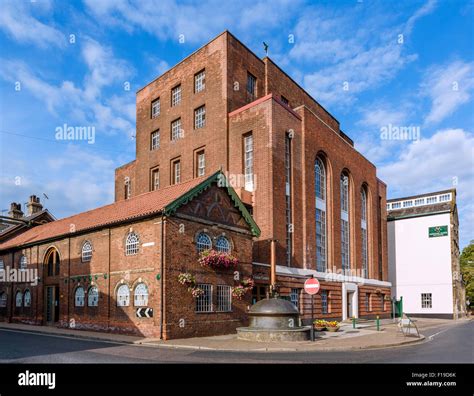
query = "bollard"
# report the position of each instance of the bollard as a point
(378, 323)
(353, 322)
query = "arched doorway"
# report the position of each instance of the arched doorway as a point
(51, 268)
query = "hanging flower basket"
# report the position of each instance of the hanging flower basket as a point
(196, 291)
(217, 260)
(241, 290)
(187, 279)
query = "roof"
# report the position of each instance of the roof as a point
(451, 190)
(166, 201)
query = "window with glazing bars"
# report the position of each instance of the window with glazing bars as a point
(199, 81)
(155, 140)
(200, 164)
(155, 108)
(289, 225)
(251, 84)
(426, 300)
(320, 192)
(176, 172)
(295, 297)
(200, 117)
(176, 96)
(155, 179)
(204, 301)
(248, 162)
(324, 301)
(176, 132)
(224, 298)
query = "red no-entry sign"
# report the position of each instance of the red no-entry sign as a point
(311, 286)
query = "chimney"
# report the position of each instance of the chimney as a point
(15, 211)
(33, 206)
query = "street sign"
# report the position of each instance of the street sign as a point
(144, 312)
(437, 231)
(311, 286)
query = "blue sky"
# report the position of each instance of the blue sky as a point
(370, 63)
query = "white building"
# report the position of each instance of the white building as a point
(423, 249)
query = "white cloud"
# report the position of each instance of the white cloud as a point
(17, 21)
(443, 161)
(448, 87)
(90, 104)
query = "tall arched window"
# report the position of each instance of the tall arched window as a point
(132, 244)
(223, 245)
(18, 298)
(123, 296)
(345, 228)
(141, 295)
(27, 298)
(79, 296)
(93, 297)
(86, 252)
(3, 300)
(23, 262)
(203, 242)
(363, 226)
(52, 262)
(320, 192)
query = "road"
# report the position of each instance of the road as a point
(447, 344)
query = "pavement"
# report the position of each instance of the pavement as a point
(345, 339)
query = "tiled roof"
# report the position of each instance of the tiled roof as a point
(142, 205)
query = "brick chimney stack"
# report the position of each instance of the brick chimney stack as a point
(33, 206)
(15, 211)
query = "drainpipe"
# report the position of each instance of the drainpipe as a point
(11, 290)
(108, 286)
(162, 275)
(273, 266)
(69, 278)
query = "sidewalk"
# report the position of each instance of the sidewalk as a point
(346, 338)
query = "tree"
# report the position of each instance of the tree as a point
(467, 270)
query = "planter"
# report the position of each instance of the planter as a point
(333, 329)
(319, 328)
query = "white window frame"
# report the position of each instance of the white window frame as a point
(200, 81)
(224, 298)
(155, 108)
(93, 296)
(345, 225)
(18, 299)
(79, 299)
(200, 117)
(123, 299)
(324, 302)
(155, 179)
(86, 252)
(176, 172)
(204, 302)
(248, 162)
(140, 295)
(176, 130)
(223, 244)
(295, 297)
(27, 298)
(23, 263)
(426, 300)
(201, 163)
(155, 140)
(132, 244)
(321, 227)
(200, 244)
(176, 96)
(364, 233)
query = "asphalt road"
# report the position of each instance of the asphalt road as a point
(447, 344)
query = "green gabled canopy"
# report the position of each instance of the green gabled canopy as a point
(220, 180)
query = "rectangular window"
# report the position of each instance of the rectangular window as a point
(224, 298)
(200, 163)
(176, 172)
(200, 117)
(320, 240)
(204, 301)
(407, 204)
(345, 245)
(368, 308)
(128, 188)
(396, 205)
(248, 162)
(251, 84)
(324, 302)
(176, 96)
(199, 81)
(426, 300)
(295, 297)
(289, 225)
(419, 201)
(431, 200)
(365, 258)
(382, 302)
(155, 140)
(445, 197)
(155, 108)
(155, 179)
(176, 132)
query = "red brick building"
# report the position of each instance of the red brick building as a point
(297, 172)
(116, 268)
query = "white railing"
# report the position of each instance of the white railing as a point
(421, 201)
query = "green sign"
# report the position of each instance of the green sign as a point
(438, 231)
